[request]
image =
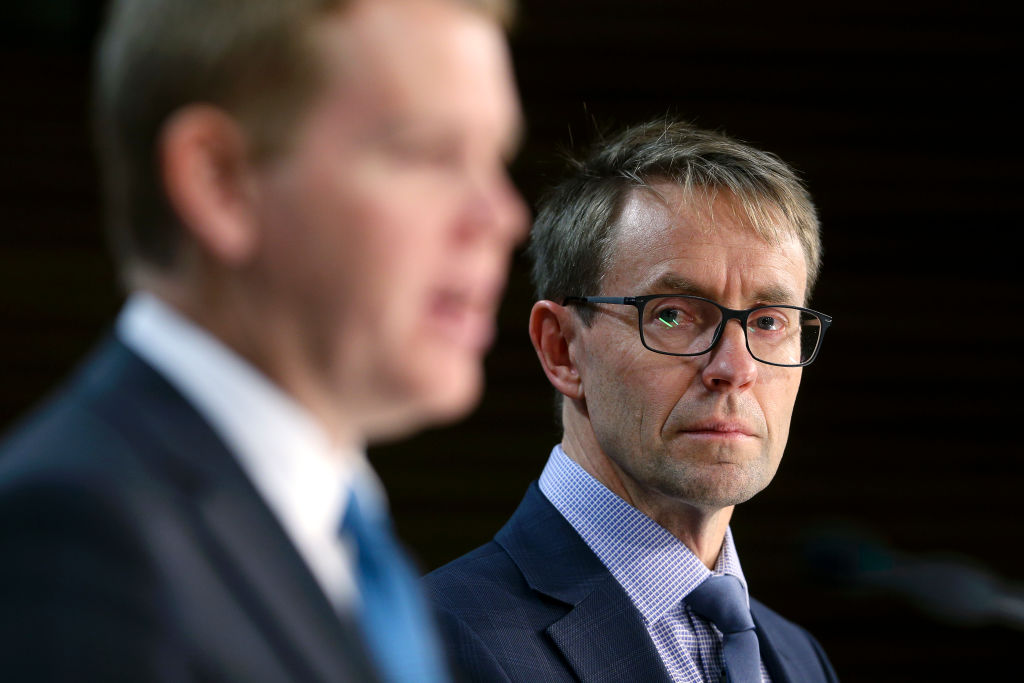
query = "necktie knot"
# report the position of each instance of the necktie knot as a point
(722, 601)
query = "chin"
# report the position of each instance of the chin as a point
(732, 489)
(710, 487)
(454, 395)
(445, 395)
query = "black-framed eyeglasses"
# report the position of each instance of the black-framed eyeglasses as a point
(683, 325)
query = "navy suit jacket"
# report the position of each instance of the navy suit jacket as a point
(134, 548)
(536, 604)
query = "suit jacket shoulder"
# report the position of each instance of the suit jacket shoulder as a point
(135, 548)
(536, 604)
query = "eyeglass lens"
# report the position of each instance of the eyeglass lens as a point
(775, 334)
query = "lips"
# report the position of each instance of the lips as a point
(466, 315)
(722, 428)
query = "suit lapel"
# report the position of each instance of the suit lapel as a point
(285, 598)
(790, 654)
(780, 667)
(243, 537)
(776, 665)
(602, 634)
(604, 639)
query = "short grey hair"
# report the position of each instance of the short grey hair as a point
(573, 236)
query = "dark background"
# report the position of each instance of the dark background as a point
(904, 453)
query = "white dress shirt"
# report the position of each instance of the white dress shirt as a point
(303, 477)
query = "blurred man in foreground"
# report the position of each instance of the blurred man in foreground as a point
(309, 205)
(673, 267)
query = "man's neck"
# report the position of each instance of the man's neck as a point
(225, 315)
(699, 529)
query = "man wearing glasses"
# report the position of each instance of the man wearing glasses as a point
(673, 267)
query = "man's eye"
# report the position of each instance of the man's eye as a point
(768, 323)
(669, 317)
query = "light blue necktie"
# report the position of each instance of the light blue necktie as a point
(722, 601)
(392, 613)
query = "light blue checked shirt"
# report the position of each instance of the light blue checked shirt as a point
(654, 568)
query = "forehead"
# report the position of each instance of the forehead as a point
(418, 61)
(668, 239)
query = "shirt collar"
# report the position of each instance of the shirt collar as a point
(654, 567)
(302, 475)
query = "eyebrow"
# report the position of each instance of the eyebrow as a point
(673, 283)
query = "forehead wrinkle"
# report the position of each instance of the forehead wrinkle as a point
(651, 215)
(674, 283)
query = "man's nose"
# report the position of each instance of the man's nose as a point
(496, 209)
(730, 365)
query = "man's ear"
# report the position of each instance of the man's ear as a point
(552, 329)
(203, 162)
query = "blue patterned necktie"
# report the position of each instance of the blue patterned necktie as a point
(721, 600)
(392, 612)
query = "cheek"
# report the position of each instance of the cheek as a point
(302, 243)
(777, 399)
(639, 388)
(403, 232)
(374, 240)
